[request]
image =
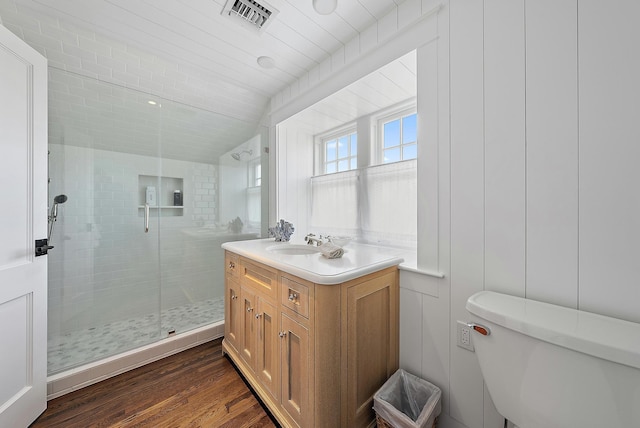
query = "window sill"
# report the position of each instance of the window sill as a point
(409, 268)
(410, 264)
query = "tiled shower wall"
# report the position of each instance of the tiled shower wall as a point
(104, 266)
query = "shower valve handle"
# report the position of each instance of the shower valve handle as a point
(146, 218)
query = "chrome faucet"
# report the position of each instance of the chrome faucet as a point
(312, 240)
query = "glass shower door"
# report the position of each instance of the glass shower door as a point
(153, 188)
(212, 197)
(104, 272)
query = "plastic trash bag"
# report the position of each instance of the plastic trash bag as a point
(406, 401)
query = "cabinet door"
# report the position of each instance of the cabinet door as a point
(248, 334)
(295, 370)
(267, 350)
(233, 312)
(372, 343)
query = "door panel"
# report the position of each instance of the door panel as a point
(267, 358)
(233, 315)
(248, 334)
(16, 379)
(371, 359)
(295, 370)
(23, 277)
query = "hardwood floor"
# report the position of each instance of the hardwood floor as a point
(195, 388)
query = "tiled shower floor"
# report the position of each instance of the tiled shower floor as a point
(84, 346)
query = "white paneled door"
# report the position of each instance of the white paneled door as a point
(23, 220)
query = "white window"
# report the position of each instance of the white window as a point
(339, 152)
(254, 182)
(377, 201)
(398, 137)
(255, 173)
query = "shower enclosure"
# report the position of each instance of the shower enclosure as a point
(143, 191)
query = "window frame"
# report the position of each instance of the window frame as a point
(389, 115)
(253, 190)
(252, 165)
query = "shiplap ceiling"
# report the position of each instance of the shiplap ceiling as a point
(189, 52)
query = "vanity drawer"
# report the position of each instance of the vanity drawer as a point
(261, 278)
(294, 296)
(231, 264)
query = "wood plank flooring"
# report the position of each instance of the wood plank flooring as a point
(195, 388)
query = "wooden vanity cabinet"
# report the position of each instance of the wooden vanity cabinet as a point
(296, 352)
(315, 354)
(258, 343)
(232, 307)
(296, 376)
(267, 356)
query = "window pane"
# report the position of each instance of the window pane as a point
(409, 151)
(409, 129)
(392, 155)
(330, 167)
(392, 133)
(354, 163)
(343, 165)
(331, 150)
(354, 144)
(343, 147)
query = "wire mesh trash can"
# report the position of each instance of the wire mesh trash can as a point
(406, 401)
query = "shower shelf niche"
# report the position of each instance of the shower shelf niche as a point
(164, 188)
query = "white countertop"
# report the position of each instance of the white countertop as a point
(358, 260)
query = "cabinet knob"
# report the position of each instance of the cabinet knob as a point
(232, 265)
(292, 296)
(258, 316)
(234, 297)
(249, 309)
(282, 334)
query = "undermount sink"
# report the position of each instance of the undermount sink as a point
(293, 249)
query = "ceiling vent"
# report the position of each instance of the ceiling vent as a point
(252, 14)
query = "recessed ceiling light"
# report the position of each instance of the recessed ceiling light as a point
(266, 62)
(152, 102)
(325, 7)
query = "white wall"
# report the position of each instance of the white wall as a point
(294, 166)
(537, 194)
(542, 159)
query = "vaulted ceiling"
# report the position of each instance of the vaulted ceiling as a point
(188, 51)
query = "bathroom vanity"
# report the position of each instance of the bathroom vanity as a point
(314, 337)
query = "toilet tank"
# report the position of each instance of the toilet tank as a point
(547, 366)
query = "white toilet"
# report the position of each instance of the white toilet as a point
(548, 366)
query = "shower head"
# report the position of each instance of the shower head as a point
(60, 199)
(236, 156)
(53, 216)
